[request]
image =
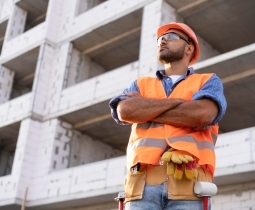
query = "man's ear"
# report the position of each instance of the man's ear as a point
(191, 51)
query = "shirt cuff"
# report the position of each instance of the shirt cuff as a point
(113, 105)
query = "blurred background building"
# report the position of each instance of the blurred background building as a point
(61, 61)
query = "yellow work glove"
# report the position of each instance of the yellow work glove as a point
(177, 162)
(176, 157)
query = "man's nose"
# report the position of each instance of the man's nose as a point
(162, 41)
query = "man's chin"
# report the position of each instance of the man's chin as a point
(163, 61)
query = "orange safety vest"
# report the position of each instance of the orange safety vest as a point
(149, 140)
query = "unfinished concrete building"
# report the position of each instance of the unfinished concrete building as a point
(61, 61)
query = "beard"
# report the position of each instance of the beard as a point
(169, 56)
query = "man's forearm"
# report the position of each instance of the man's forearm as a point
(190, 114)
(138, 109)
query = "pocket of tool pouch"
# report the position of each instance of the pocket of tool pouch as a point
(183, 189)
(180, 189)
(134, 186)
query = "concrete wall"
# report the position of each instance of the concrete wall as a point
(97, 89)
(15, 110)
(85, 149)
(72, 148)
(5, 9)
(80, 68)
(242, 147)
(235, 197)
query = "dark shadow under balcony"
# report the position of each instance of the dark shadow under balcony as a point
(8, 141)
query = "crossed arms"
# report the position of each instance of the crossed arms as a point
(177, 112)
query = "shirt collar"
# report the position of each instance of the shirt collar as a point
(161, 73)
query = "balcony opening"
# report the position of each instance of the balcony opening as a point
(8, 141)
(85, 149)
(221, 18)
(95, 135)
(36, 12)
(3, 26)
(85, 5)
(106, 48)
(24, 67)
(73, 148)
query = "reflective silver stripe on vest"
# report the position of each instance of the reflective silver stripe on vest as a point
(200, 144)
(149, 142)
(147, 125)
(214, 137)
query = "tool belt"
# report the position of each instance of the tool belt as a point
(157, 174)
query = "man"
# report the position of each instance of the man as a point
(174, 119)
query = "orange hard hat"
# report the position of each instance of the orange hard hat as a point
(186, 29)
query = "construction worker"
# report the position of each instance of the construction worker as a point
(174, 119)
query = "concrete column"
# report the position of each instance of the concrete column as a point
(49, 78)
(25, 155)
(6, 80)
(16, 23)
(53, 17)
(42, 147)
(66, 20)
(59, 69)
(155, 14)
(42, 79)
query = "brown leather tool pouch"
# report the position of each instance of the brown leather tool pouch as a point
(134, 186)
(184, 189)
(156, 175)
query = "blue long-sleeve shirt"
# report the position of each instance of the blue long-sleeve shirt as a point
(212, 89)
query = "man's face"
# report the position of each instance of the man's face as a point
(172, 50)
